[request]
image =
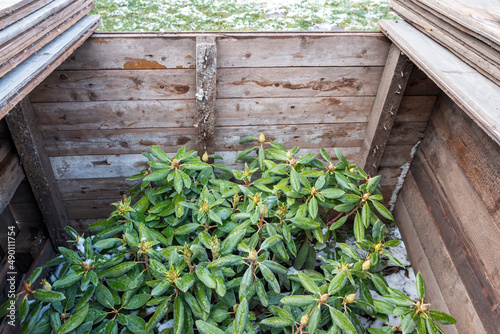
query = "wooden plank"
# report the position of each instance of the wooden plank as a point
(11, 175)
(7, 224)
(90, 208)
(396, 156)
(16, 51)
(415, 108)
(477, 95)
(125, 165)
(389, 95)
(155, 52)
(419, 261)
(477, 17)
(9, 6)
(123, 141)
(285, 51)
(475, 152)
(460, 48)
(298, 82)
(8, 17)
(206, 85)
(420, 84)
(117, 85)
(470, 268)
(94, 188)
(466, 204)
(451, 284)
(19, 82)
(22, 123)
(32, 20)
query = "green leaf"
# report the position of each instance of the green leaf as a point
(308, 283)
(205, 276)
(271, 241)
(312, 208)
(118, 270)
(442, 318)
(298, 300)
(75, 320)
(420, 286)
(185, 282)
(276, 322)
(373, 183)
(341, 158)
(70, 256)
(228, 260)
(245, 283)
(244, 153)
(261, 292)
(332, 193)
(48, 296)
(104, 296)
(314, 321)
(24, 308)
(159, 154)
(241, 317)
(137, 301)
(186, 229)
(68, 280)
(157, 175)
(305, 223)
(338, 282)
(342, 321)
(366, 215)
(270, 278)
(207, 328)
(382, 210)
(359, 228)
(325, 155)
(178, 315)
(294, 180)
(158, 315)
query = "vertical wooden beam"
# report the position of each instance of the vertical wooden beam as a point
(28, 140)
(389, 95)
(206, 81)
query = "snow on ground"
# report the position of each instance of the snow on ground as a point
(227, 15)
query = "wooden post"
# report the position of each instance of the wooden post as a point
(28, 140)
(389, 95)
(206, 80)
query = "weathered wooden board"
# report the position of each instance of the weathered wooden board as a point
(385, 108)
(478, 17)
(298, 82)
(92, 208)
(123, 141)
(125, 165)
(32, 20)
(462, 49)
(19, 82)
(470, 270)
(116, 85)
(11, 175)
(467, 205)
(11, 15)
(321, 50)
(116, 51)
(16, 51)
(440, 260)
(420, 84)
(476, 94)
(476, 153)
(28, 140)
(93, 188)
(9, 6)
(396, 156)
(420, 262)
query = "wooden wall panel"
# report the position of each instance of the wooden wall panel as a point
(452, 190)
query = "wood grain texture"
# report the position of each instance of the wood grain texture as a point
(16, 84)
(125, 165)
(420, 262)
(467, 206)
(385, 108)
(116, 85)
(477, 95)
(11, 175)
(206, 90)
(28, 140)
(450, 283)
(478, 17)
(9, 16)
(123, 141)
(461, 46)
(298, 82)
(451, 231)
(9, 6)
(17, 50)
(476, 153)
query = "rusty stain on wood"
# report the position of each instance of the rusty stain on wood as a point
(321, 85)
(141, 63)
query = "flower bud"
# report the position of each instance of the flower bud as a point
(289, 154)
(305, 319)
(349, 299)
(252, 256)
(46, 285)
(262, 138)
(204, 158)
(214, 246)
(187, 254)
(264, 210)
(324, 298)
(367, 265)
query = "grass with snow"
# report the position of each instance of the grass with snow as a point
(237, 15)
